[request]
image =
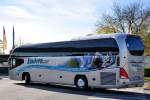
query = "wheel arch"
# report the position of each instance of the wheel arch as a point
(24, 74)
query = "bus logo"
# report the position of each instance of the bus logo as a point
(37, 61)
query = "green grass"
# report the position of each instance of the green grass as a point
(147, 79)
(148, 86)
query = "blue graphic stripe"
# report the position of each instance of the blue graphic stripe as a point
(61, 68)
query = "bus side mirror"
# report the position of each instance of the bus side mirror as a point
(118, 61)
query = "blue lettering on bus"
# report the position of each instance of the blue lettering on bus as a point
(35, 61)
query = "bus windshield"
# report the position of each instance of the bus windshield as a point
(135, 45)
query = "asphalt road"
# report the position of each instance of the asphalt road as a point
(16, 90)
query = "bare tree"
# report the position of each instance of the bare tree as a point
(136, 18)
(107, 25)
(19, 42)
(118, 18)
(132, 18)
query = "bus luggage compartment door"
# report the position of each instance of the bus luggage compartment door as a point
(109, 77)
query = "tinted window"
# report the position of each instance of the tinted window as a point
(92, 45)
(14, 62)
(135, 45)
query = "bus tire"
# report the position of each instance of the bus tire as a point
(27, 79)
(81, 82)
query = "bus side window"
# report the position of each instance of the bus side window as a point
(19, 62)
(16, 62)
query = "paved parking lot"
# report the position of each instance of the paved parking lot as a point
(16, 90)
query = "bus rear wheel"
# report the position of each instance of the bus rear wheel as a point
(27, 79)
(81, 83)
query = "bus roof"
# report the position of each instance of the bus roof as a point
(99, 36)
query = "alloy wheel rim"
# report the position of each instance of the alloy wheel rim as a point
(81, 83)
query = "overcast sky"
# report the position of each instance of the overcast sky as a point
(52, 20)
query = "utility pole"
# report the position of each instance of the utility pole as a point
(13, 38)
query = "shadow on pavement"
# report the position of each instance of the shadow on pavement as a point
(102, 93)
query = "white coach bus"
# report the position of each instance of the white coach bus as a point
(97, 61)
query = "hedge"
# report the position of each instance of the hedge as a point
(147, 72)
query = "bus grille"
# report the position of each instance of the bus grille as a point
(108, 78)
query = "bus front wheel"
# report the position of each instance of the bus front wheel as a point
(27, 79)
(81, 83)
